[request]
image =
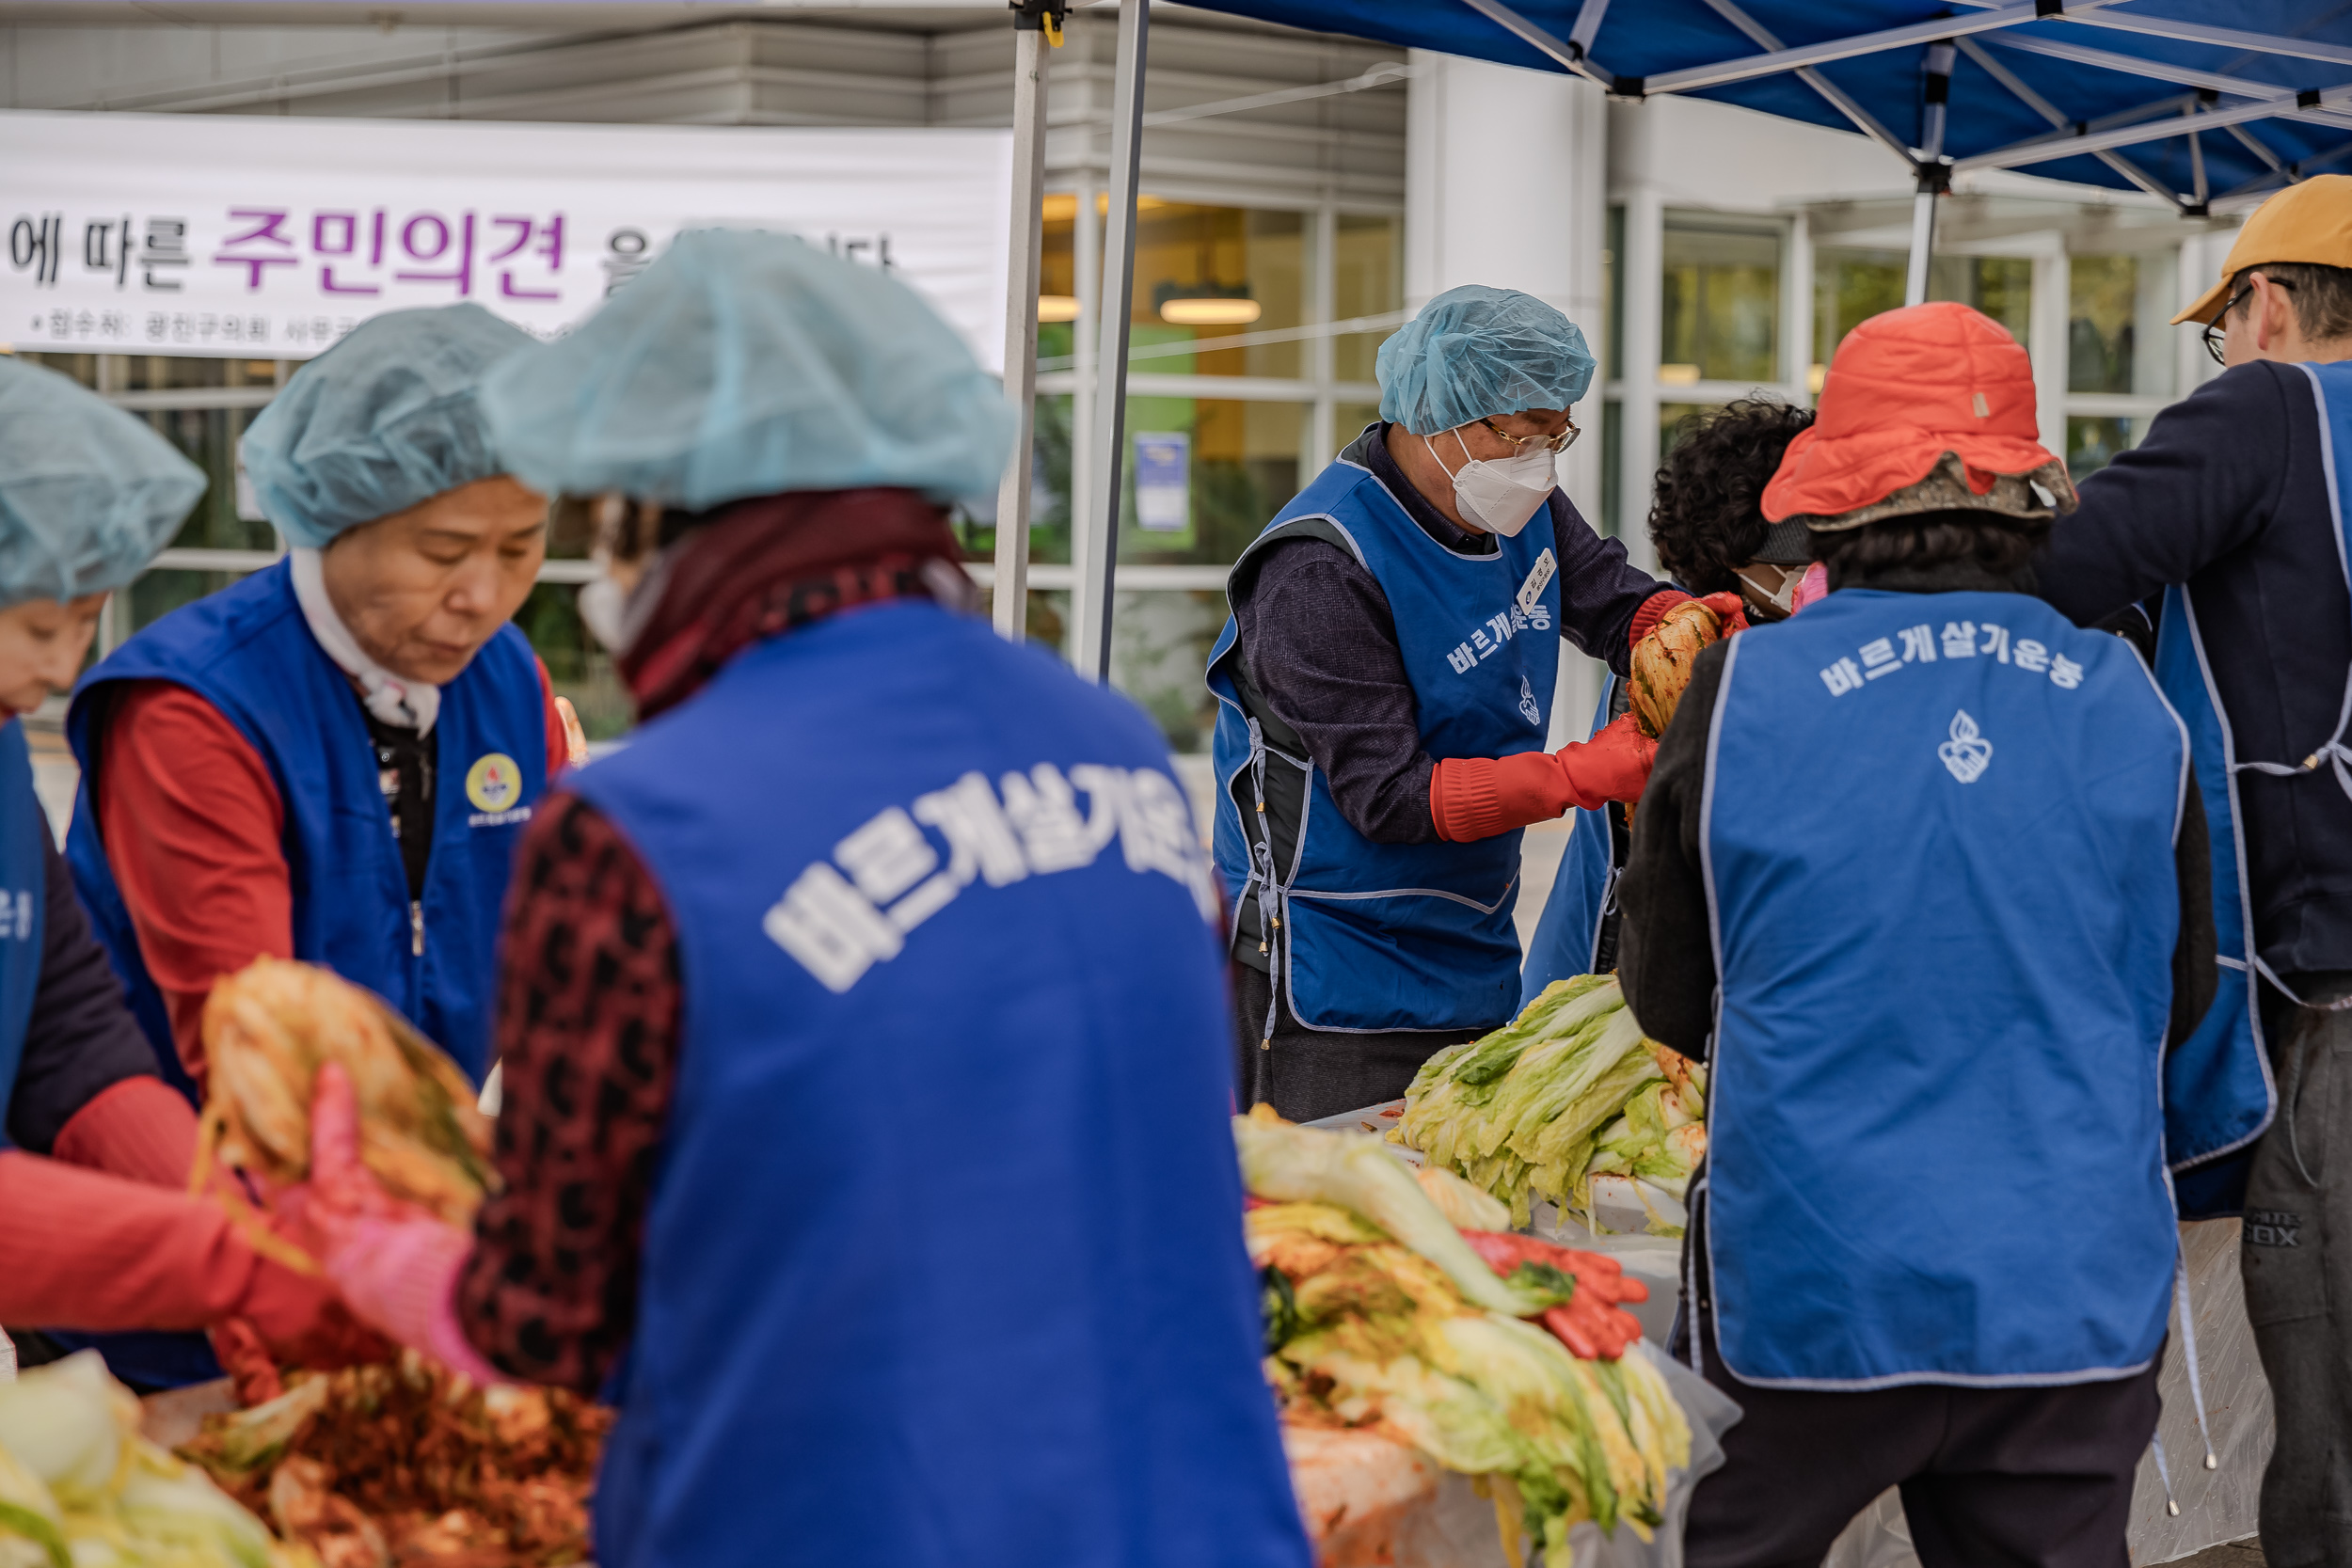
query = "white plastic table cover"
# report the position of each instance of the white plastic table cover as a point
(2218, 1506)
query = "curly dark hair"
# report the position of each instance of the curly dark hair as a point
(1704, 520)
(1930, 542)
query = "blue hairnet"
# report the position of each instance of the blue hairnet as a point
(382, 420)
(88, 493)
(1476, 352)
(748, 364)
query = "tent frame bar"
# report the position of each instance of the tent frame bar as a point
(2286, 105)
(1097, 507)
(1037, 31)
(1837, 97)
(1934, 30)
(1094, 546)
(1569, 54)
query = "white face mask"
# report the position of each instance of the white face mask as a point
(603, 608)
(1502, 494)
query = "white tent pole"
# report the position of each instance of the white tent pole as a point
(1922, 244)
(1934, 173)
(1031, 43)
(1095, 549)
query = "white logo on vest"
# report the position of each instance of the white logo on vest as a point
(839, 927)
(1528, 705)
(1967, 753)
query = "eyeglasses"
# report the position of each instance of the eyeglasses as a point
(1559, 443)
(2214, 328)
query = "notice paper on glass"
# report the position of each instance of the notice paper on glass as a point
(1164, 481)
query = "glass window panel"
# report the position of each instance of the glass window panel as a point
(1367, 280)
(81, 367)
(1160, 642)
(2093, 443)
(1850, 286)
(1049, 490)
(2118, 310)
(1349, 420)
(577, 663)
(1719, 316)
(1245, 265)
(2000, 286)
(208, 438)
(1611, 468)
(1205, 476)
(158, 593)
(1048, 623)
(1613, 327)
(1670, 418)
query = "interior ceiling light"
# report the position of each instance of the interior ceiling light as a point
(1206, 304)
(1198, 310)
(1057, 307)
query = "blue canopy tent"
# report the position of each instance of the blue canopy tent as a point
(2207, 105)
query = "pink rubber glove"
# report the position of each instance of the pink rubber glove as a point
(1811, 589)
(396, 1265)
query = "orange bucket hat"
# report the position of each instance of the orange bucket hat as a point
(1928, 409)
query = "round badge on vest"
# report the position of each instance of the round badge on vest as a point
(495, 784)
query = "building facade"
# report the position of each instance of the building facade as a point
(1302, 194)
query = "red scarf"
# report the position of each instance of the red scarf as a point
(777, 561)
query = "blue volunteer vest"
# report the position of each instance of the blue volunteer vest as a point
(2218, 1090)
(1373, 936)
(247, 651)
(1568, 933)
(24, 897)
(1938, 839)
(942, 1263)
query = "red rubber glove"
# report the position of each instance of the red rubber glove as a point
(1475, 798)
(1729, 608)
(140, 1128)
(396, 1265)
(1649, 612)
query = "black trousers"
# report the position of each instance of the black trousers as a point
(2034, 1478)
(2296, 1254)
(1307, 1074)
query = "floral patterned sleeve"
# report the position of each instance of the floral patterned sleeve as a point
(587, 1033)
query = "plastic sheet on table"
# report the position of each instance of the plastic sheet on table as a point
(2218, 1506)
(1457, 1528)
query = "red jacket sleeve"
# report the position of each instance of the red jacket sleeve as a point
(192, 824)
(92, 1251)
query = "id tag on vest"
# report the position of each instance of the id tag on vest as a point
(1537, 577)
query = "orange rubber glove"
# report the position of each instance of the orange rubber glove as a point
(1475, 798)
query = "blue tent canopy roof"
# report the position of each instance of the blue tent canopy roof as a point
(2102, 94)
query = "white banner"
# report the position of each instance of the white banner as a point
(267, 237)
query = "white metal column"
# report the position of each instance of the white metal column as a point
(1796, 309)
(1094, 542)
(1031, 51)
(1641, 283)
(2046, 340)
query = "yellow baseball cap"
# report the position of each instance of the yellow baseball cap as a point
(2307, 222)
